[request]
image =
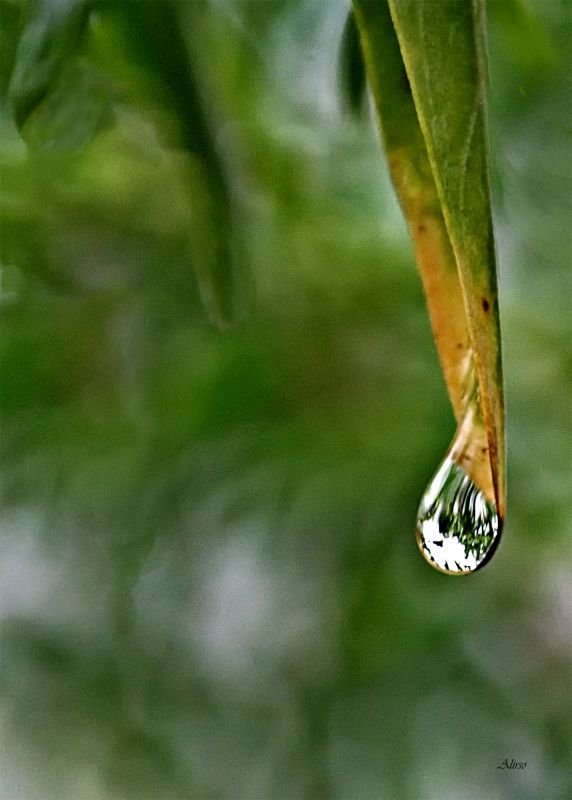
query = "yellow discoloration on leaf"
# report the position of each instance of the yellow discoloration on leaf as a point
(444, 60)
(444, 296)
(429, 101)
(438, 271)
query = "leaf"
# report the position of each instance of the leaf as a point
(59, 102)
(352, 77)
(10, 31)
(152, 35)
(425, 63)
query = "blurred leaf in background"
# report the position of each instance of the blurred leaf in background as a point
(210, 583)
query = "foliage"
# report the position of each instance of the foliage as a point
(211, 585)
(426, 68)
(62, 93)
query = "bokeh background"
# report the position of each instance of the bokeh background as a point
(210, 583)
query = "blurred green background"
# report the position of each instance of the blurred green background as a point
(210, 582)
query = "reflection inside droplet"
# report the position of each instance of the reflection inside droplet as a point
(457, 527)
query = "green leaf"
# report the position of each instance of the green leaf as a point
(413, 179)
(58, 101)
(154, 37)
(10, 32)
(425, 63)
(352, 77)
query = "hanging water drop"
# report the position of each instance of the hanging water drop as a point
(458, 527)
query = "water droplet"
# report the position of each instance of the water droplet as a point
(458, 528)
